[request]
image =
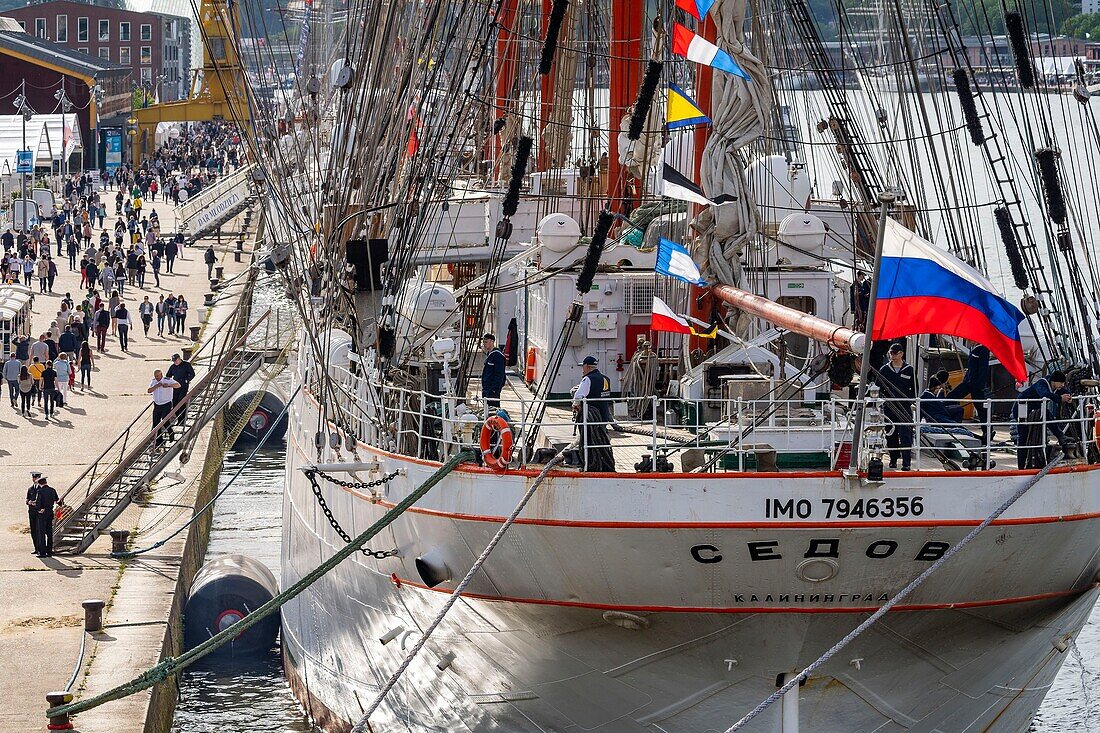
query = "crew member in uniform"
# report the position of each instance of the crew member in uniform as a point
(1030, 438)
(182, 372)
(492, 372)
(44, 501)
(975, 384)
(899, 384)
(592, 411)
(32, 510)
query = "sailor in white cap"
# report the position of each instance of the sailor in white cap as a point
(32, 511)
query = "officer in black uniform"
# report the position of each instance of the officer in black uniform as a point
(44, 503)
(592, 410)
(1030, 438)
(32, 510)
(899, 387)
(492, 372)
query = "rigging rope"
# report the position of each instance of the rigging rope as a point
(901, 595)
(363, 725)
(172, 665)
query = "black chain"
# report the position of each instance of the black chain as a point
(312, 474)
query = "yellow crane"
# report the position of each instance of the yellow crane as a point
(223, 90)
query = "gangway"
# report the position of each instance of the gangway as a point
(141, 455)
(215, 205)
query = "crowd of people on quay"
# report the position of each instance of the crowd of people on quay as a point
(104, 242)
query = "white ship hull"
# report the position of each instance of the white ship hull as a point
(673, 602)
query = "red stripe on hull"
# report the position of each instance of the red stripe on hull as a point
(731, 525)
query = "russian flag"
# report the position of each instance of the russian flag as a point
(701, 51)
(922, 289)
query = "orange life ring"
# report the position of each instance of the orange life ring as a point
(496, 427)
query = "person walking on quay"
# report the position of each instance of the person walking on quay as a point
(210, 257)
(49, 389)
(155, 263)
(171, 249)
(36, 367)
(44, 501)
(28, 269)
(145, 310)
(122, 319)
(12, 367)
(161, 389)
(51, 274)
(43, 269)
(85, 361)
(142, 265)
(32, 510)
(170, 313)
(26, 391)
(64, 369)
(68, 341)
(102, 323)
(161, 309)
(182, 373)
(120, 277)
(182, 306)
(72, 250)
(40, 350)
(112, 306)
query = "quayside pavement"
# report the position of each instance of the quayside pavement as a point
(41, 619)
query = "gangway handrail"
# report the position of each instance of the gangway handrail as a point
(125, 434)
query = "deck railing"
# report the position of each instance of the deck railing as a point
(749, 434)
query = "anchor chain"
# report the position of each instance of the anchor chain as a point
(313, 473)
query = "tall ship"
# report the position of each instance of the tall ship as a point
(737, 240)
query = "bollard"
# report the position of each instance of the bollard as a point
(240, 245)
(93, 615)
(195, 333)
(237, 256)
(53, 699)
(219, 272)
(118, 539)
(215, 285)
(209, 300)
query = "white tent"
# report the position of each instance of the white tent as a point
(51, 137)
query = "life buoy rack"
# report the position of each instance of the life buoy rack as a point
(496, 443)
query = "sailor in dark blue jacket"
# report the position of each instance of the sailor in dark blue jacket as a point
(1030, 437)
(492, 373)
(899, 389)
(975, 383)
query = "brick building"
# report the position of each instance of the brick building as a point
(154, 46)
(41, 68)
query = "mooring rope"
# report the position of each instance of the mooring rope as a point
(363, 726)
(172, 665)
(901, 595)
